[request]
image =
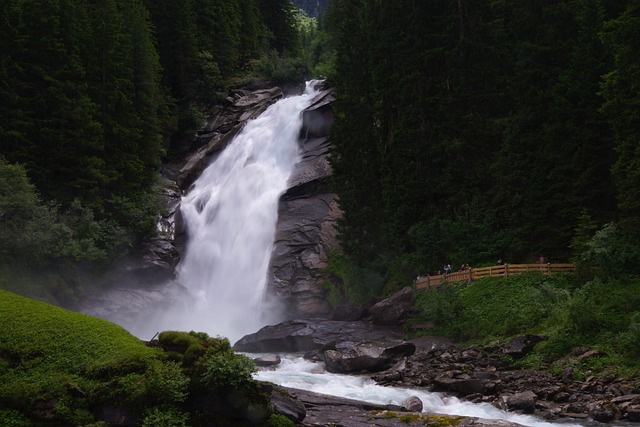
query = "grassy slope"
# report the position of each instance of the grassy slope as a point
(599, 315)
(47, 352)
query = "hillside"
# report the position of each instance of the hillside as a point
(58, 367)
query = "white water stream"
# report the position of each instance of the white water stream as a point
(230, 215)
(295, 372)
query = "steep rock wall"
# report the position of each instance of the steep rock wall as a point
(307, 215)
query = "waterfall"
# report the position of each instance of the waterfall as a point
(230, 214)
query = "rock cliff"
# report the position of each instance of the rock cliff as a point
(306, 232)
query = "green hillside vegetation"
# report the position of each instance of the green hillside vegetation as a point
(58, 367)
(597, 315)
(96, 96)
(476, 130)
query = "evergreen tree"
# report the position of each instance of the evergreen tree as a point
(279, 18)
(621, 107)
(52, 125)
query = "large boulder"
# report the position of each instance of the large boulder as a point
(315, 334)
(521, 345)
(365, 357)
(394, 309)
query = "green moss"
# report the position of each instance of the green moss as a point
(433, 420)
(48, 354)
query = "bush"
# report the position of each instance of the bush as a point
(278, 420)
(614, 252)
(281, 69)
(360, 285)
(12, 418)
(165, 416)
(228, 370)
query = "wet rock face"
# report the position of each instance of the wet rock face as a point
(305, 233)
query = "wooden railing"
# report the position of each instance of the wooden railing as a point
(505, 270)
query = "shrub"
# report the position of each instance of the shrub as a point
(12, 418)
(360, 285)
(227, 369)
(165, 416)
(278, 420)
(614, 252)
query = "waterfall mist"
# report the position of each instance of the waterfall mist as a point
(230, 214)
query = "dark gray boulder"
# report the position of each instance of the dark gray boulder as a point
(521, 345)
(365, 357)
(315, 334)
(393, 310)
(413, 404)
(267, 360)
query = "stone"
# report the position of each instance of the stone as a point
(267, 360)
(412, 404)
(519, 346)
(283, 403)
(365, 357)
(395, 308)
(303, 335)
(524, 401)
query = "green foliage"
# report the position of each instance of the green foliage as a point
(277, 420)
(79, 364)
(280, 69)
(620, 107)
(357, 285)
(614, 251)
(444, 306)
(491, 153)
(13, 418)
(495, 307)
(632, 337)
(600, 315)
(51, 353)
(165, 416)
(225, 369)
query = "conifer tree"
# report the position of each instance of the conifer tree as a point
(622, 99)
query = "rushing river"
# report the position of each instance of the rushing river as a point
(295, 372)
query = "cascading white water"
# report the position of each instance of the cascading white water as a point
(230, 214)
(295, 372)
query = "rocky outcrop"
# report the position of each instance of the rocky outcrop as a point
(308, 211)
(316, 334)
(480, 374)
(224, 122)
(395, 309)
(324, 410)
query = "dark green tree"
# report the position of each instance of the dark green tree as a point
(279, 18)
(621, 107)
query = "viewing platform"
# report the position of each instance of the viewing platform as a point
(505, 270)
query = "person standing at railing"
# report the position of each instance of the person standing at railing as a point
(541, 260)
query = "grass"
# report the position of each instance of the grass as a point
(598, 315)
(58, 367)
(49, 354)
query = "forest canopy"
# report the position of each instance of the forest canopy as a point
(467, 131)
(95, 96)
(470, 131)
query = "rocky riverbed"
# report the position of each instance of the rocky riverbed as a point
(475, 373)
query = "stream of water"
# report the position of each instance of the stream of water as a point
(230, 215)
